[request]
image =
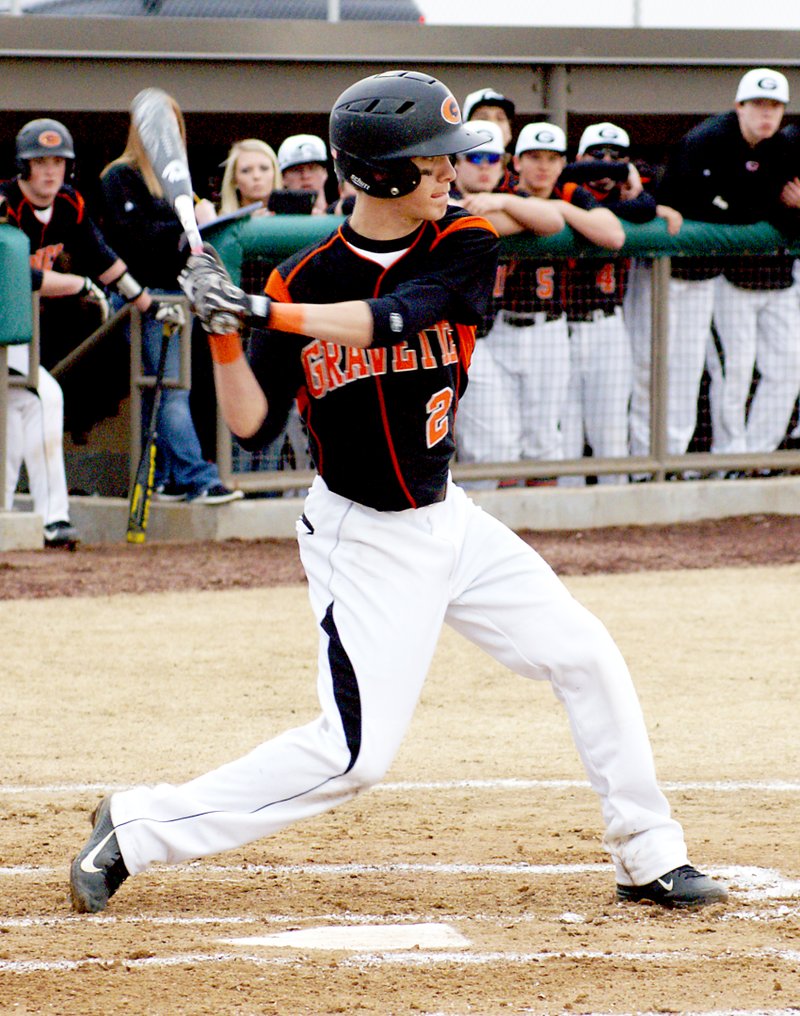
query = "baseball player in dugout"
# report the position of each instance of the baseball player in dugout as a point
(598, 396)
(733, 168)
(489, 104)
(529, 339)
(53, 215)
(372, 329)
(303, 161)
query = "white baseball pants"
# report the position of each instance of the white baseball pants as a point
(599, 391)
(757, 328)
(35, 436)
(517, 388)
(637, 310)
(691, 305)
(380, 585)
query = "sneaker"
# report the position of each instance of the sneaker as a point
(60, 534)
(217, 493)
(98, 870)
(169, 492)
(681, 887)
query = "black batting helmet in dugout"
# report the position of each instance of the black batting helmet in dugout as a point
(40, 138)
(380, 123)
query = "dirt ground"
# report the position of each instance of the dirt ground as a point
(242, 564)
(126, 664)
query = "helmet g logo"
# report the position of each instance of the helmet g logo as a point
(450, 111)
(49, 139)
(768, 84)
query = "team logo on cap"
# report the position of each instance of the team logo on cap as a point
(608, 133)
(768, 84)
(546, 137)
(49, 139)
(450, 111)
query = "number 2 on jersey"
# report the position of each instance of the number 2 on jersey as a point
(438, 407)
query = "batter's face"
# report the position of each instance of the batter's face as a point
(254, 176)
(538, 171)
(308, 176)
(45, 180)
(495, 114)
(478, 177)
(428, 201)
(759, 119)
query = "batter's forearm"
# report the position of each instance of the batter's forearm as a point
(347, 324)
(241, 398)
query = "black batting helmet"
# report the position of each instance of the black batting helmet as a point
(379, 123)
(40, 138)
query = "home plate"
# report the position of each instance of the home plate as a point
(360, 937)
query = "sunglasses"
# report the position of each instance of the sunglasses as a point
(476, 158)
(601, 153)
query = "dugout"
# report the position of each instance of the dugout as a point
(269, 78)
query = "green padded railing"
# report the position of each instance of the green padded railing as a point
(273, 238)
(16, 312)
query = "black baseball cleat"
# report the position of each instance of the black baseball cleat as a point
(61, 534)
(681, 887)
(98, 870)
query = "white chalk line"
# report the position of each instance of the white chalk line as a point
(713, 1012)
(412, 958)
(775, 914)
(421, 957)
(748, 883)
(717, 786)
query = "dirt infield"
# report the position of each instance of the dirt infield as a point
(480, 853)
(238, 564)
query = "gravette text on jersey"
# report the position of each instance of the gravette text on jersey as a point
(329, 366)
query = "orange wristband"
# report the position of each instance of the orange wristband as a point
(225, 348)
(287, 317)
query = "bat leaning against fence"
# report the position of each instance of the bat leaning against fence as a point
(142, 489)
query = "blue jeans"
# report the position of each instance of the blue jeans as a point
(179, 460)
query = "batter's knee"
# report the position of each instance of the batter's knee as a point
(367, 771)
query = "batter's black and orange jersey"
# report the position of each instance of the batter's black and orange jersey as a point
(380, 420)
(68, 232)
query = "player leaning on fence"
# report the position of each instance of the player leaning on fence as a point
(373, 329)
(733, 169)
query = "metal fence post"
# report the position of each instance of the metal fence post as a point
(659, 361)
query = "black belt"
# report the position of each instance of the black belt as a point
(591, 315)
(526, 320)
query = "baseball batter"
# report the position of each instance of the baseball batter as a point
(373, 329)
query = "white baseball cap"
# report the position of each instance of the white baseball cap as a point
(493, 144)
(537, 137)
(597, 134)
(301, 148)
(487, 97)
(763, 83)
